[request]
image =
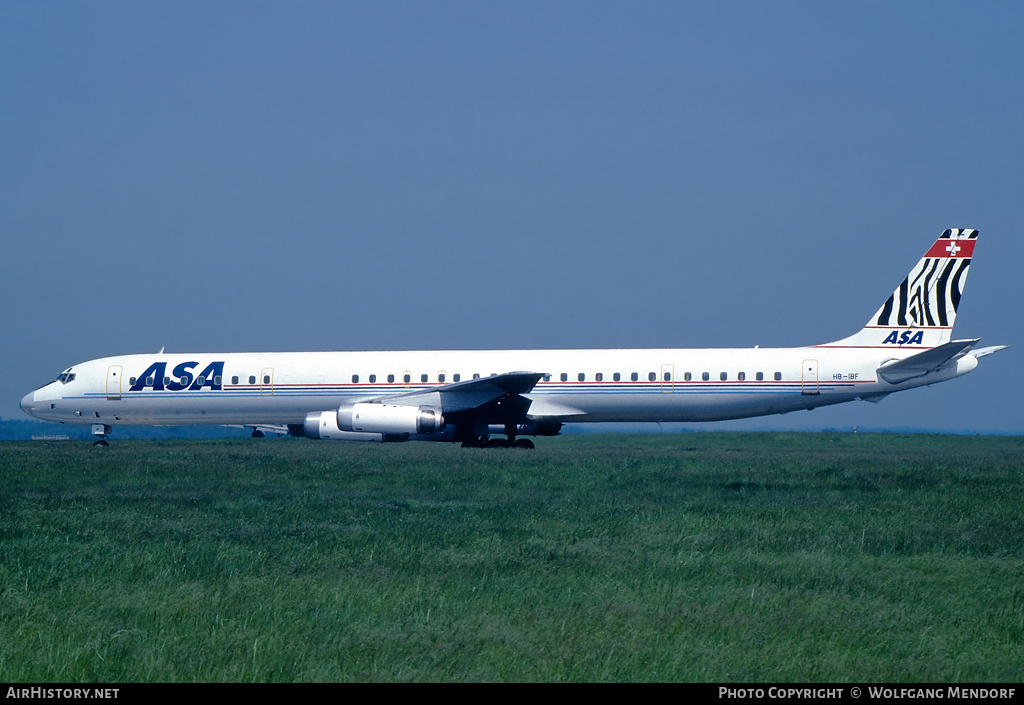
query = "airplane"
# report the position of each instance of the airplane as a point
(474, 397)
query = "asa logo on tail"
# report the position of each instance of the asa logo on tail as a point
(154, 377)
(907, 338)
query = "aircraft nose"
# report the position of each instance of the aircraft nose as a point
(28, 402)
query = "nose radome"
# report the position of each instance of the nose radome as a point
(27, 402)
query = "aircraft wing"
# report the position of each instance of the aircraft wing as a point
(279, 429)
(468, 394)
(924, 362)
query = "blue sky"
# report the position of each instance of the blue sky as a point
(405, 175)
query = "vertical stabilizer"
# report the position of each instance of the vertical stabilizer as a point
(920, 313)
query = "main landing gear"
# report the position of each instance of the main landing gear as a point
(509, 442)
(498, 443)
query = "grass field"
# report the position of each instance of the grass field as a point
(684, 557)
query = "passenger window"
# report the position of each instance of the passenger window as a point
(582, 377)
(667, 377)
(760, 376)
(252, 379)
(234, 379)
(216, 380)
(456, 377)
(547, 378)
(617, 377)
(167, 381)
(741, 376)
(476, 375)
(652, 377)
(391, 379)
(131, 381)
(565, 377)
(406, 379)
(723, 376)
(598, 377)
(705, 376)
(440, 377)
(778, 376)
(355, 379)
(149, 381)
(266, 380)
(687, 377)
(423, 379)
(373, 379)
(634, 377)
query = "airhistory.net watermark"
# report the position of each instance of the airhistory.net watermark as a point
(61, 693)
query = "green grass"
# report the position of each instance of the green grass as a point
(690, 557)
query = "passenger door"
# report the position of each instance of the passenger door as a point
(809, 379)
(114, 383)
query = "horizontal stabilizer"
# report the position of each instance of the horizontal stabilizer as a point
(924, 362)
(982, 352)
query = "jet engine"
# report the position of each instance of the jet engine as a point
(324, 426)
(369, 417)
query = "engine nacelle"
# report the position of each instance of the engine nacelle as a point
(391, 419)
(324, 425)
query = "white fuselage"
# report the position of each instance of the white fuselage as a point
(580, 386)
(462, 395)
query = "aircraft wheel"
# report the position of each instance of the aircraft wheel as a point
(100, 444)
(497, 443)
(474, 442)
(523, 443)
(257, 434)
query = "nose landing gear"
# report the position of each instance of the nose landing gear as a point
(101, 431)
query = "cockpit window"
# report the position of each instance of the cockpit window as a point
(66, 377)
